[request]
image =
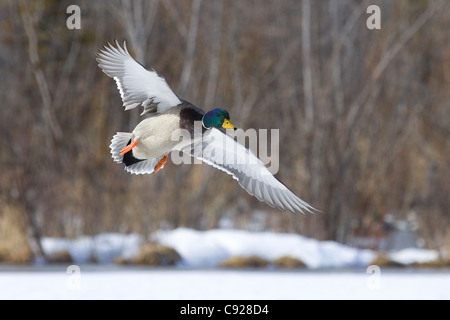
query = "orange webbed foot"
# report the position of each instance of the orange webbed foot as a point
(160, 164)
(128, 147)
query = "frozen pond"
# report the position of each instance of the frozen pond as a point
(110, 282)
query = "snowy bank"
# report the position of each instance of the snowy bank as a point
(414, 255)
(205, 249)
(210, 248)
(103, 248)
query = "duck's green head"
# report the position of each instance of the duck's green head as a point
(217, 118)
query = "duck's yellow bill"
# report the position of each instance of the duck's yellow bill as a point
(227, 124)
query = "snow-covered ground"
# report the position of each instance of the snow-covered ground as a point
(335, 271)
(211, 284)
(205, 249)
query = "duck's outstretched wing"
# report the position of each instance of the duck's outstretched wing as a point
(137, 85)
(224, 153)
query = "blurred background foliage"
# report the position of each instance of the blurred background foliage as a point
(364, 115)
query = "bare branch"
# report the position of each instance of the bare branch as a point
(176, 18)
(191, 44)
(33, 55)
(215, 51)
(386, 59)
(307, 68)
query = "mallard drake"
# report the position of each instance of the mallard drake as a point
(145, 150)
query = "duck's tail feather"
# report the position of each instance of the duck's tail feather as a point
(118, 142)
(132, 164)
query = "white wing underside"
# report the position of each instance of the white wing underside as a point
(224, 153)
(137, 85)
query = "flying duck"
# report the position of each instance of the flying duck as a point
(145, 150)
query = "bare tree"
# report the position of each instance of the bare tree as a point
(363, 117)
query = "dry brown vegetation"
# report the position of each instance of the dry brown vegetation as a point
(60, 257)
(383, 260)
(14, 242)
(440, 263)
(288, 262)
(244, 262)
(154, 254)
(363, 114)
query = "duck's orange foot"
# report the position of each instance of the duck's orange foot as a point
(160, 164)
(128, 147)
